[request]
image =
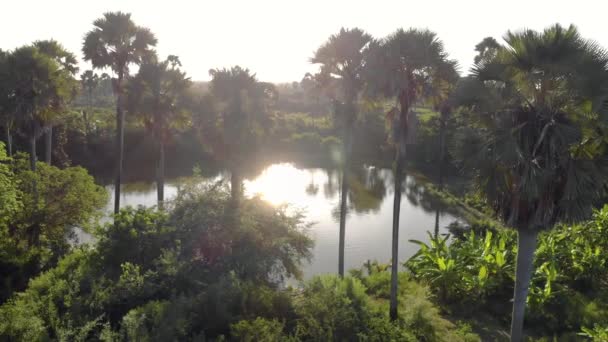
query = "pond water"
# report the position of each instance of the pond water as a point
(316, 192)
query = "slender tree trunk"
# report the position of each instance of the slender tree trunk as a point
(526, 245)
(395, 242)
(9, 140)
(33, 157)
(441, 150)
(85, 118)
(401, 140)
(48, 145)
(160, 182)
(441, 162)
(343, 200)
(120, 141)
(236, 185)
(436, 223)
(33, 160)
(85, 115)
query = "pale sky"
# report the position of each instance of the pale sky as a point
(276, 39)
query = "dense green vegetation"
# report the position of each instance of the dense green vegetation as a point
(517, 148)
(192, 273)
(475, 272)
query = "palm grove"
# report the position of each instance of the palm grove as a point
(526, 129)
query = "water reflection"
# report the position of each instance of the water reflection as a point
(316, 191)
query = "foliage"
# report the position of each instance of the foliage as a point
(596, 334)
(237, 116)
(330, 308)
(10, 196)
(41, 82)
(535, 167)
(40, 225)
(157, 94)
(260, 329)
(475, 272)
(115, 42)
(190, 268)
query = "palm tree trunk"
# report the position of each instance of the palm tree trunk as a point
(33, 160)
(9, 140)
(236, 185)
(160, 182)
(526, 245)
(436, 223)
(48, 144)
(441, 151)
(440, 166)
(343, 200)
(120, 141)
(33, 153)
(395, 243)
(85, 118)
(85, 115)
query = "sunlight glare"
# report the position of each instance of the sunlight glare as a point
(276, 184)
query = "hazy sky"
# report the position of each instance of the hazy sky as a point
(275, 39)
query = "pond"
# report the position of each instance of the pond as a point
(316, 192)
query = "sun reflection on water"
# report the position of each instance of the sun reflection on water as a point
(278, 184)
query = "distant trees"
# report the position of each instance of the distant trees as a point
(341, 60)
(158, 94)
(89, 82)
(540, 161)
(116, 42)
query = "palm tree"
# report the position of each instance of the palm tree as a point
(39, 89)
(67, 70)
(405, 66)
(486, 50)
(342, 61)
(157, 94)
(233, 119)
(442, 97)
(538, 164)
(116, 42)
(89, 82)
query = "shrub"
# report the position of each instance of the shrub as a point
(259, 330)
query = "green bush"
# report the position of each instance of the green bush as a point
(332, 309)
(259, 330)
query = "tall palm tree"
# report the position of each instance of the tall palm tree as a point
(116, 42)
(39, 88)
(538, 163)
(342, 62)
(67, 70)
(89, 81)
(442, 97)
(234, 119)
(405, 67)
(157, 94)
